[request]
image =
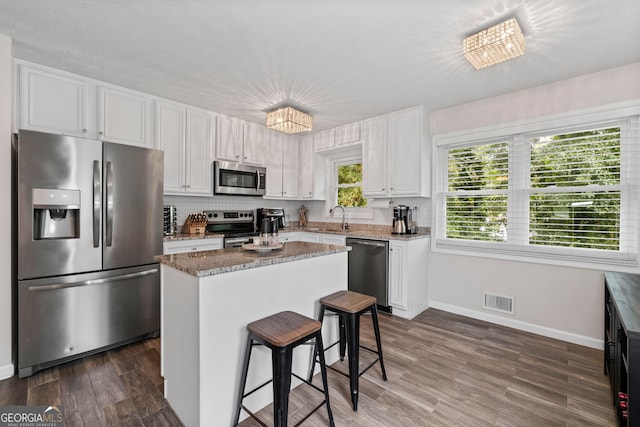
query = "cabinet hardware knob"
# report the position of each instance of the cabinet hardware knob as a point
(383, 189)
(245, 157)
(391, 188)
(84, 131)
(100, 133)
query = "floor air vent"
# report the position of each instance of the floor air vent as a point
(498, 302)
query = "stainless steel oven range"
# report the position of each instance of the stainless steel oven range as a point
(238, 227)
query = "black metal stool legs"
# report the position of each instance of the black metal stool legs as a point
(281, 360)
(376, 328)
(353, 342)
(323, 373)
(243, 377)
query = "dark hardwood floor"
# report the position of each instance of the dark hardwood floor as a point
(443, 369)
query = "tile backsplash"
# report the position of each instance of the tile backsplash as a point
(315, 209)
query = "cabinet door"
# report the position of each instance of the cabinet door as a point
(307, 167)
(291, 157)
(253, 147)
(170, 138)
(397, 274)
(348, 134)
(229, 139)
(199, 179)
(324, 140)
(404, 140)
(310, 237)
(274, 165)
(374, 157)
(125, 117)
(330, 239)
(55, 103)
(194, 245)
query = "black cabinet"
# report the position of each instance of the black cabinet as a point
(622, 344)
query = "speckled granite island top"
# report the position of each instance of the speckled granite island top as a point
(209, 263)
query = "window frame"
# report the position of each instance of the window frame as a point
(362, 212)
(518, 134)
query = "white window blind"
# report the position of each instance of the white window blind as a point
(567, 193)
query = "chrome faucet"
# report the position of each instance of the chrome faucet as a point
(344, 225)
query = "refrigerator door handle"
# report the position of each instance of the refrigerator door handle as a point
(93, 282)
(109, 225)
(97, 193)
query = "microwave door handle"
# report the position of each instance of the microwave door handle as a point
(258, 180)
(109, 185)
(96, 203)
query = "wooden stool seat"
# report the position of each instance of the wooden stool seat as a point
(349, 306)
(281, 333)
(284, 328)
(347, 301)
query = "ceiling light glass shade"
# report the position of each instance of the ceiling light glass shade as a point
(289, 120)
(495, 44)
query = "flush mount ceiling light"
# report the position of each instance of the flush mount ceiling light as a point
(289, 120)
(495, 44)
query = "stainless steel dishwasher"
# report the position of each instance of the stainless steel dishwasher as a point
(369, 269)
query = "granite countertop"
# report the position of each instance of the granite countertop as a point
(184, 236)
(209, 263)
(376, 233)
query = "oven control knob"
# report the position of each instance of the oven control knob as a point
(250, 214)
(209, 215)
(215, 215)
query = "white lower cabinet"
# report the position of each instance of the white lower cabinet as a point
(408, 277)
(289, 237)
(310, 237)
(332, 239)
(192, 245)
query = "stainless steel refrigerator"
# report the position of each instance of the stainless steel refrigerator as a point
(89, 224)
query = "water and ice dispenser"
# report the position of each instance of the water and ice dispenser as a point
(56, 214)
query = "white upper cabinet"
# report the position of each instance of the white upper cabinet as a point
(186, 137)
(199, 148)
(171, 121)
(229, 139)
(275, 140)
(125, 117)
(348, 134)
(405, 146)
(282, 166)
(307, 169)
(374, 157)
(56, 102)
(324, 140)
(253, 144)
(394, 162)
(291, 156)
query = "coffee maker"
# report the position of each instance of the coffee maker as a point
(400, 219)
(275, 214)
(404, 220)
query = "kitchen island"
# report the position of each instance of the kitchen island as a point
(209, 297)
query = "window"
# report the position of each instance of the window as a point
(565, 194)
(349, 185)
(346, 185)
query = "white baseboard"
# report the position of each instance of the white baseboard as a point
(520, 325)
(7, 371)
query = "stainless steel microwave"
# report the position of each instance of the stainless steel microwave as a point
(234, 178)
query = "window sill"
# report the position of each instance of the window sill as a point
(625, 266)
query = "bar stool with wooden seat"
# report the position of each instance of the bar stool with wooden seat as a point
(282, 332)
(349, 306)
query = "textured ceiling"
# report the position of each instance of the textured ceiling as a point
(342, 61)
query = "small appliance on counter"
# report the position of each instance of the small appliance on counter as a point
(404, 220)
(170, 220)
(276, 214)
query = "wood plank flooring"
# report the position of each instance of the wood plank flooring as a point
(443, 370)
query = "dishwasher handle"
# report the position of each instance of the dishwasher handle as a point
(376, 244)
